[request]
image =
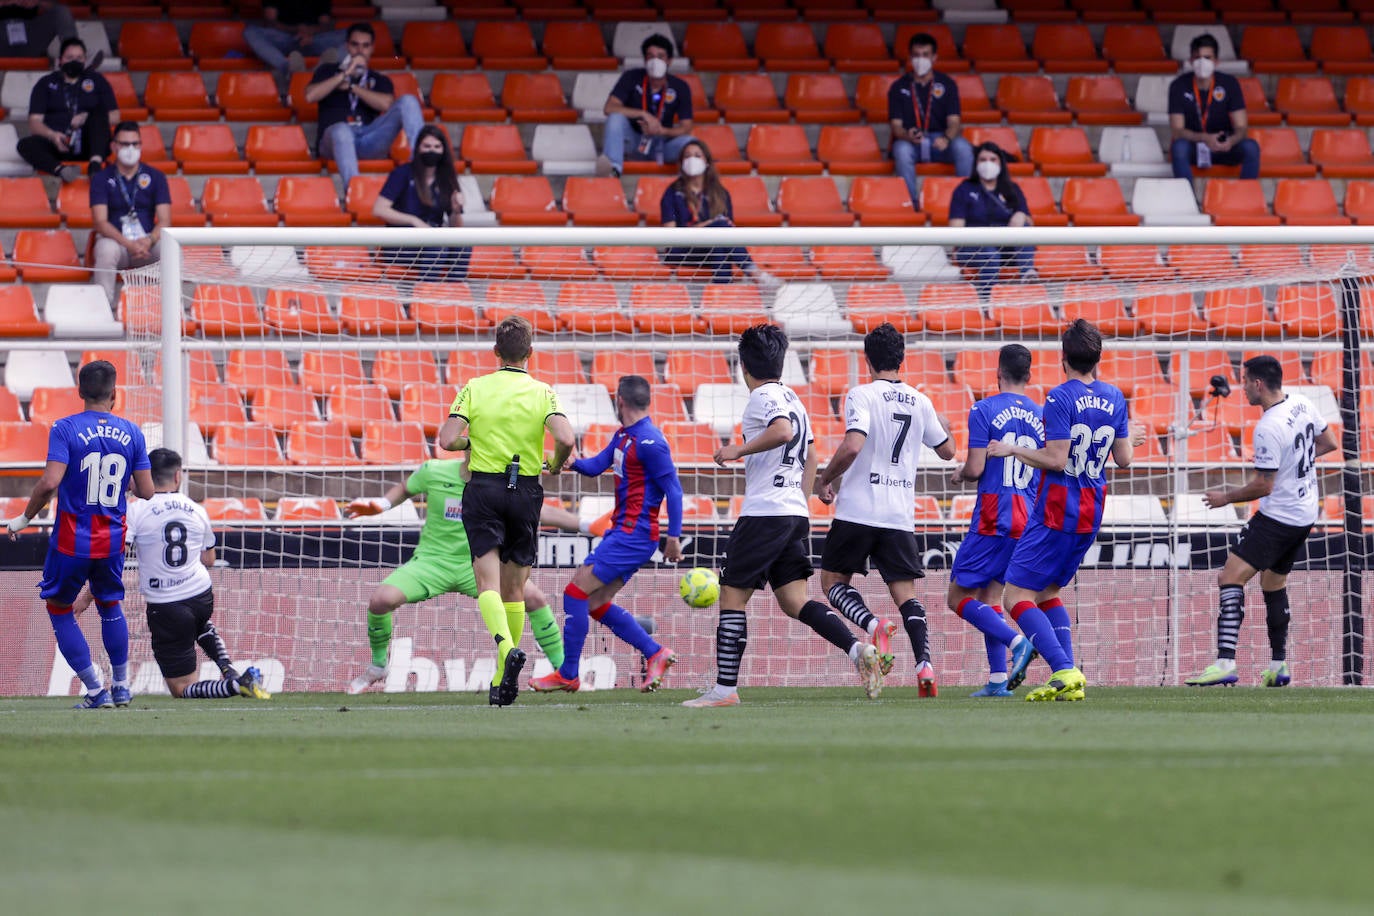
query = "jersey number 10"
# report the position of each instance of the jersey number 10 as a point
(1015, 472)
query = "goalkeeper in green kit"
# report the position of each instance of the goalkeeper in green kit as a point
(442, 563)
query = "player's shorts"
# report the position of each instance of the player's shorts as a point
(64, 576)
(173, 628)
(775, 549)
(496, 517)
(426, 577)
(849, 545)
(1267, 544)
(982, 559)
(619, 555)
(1044, 557)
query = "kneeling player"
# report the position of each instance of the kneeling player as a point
(175, 546)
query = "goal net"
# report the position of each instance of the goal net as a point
(296, 370)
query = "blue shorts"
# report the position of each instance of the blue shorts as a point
(619, 555)
(1044, 557)
(64, 577)
(982, 558)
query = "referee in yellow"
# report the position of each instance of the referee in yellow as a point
(500, 419)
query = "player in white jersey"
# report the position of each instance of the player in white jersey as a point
(770, 542)
(176, 545)
(886, 422)
(1289, 438)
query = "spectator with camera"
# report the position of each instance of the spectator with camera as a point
(648, 113)
(70, 114)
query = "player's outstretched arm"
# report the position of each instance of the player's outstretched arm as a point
(778, 433)
(597, 464)
(395, 494)
(43, 490)
(1260, 484)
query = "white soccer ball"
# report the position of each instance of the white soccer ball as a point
(700, 587)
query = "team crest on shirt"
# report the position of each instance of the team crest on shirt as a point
(1262, 453)
(937, 91)
(669, 95)
(88, 85)
(144, 179)
(1218, 94)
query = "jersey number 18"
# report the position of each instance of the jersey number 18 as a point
(104, 475)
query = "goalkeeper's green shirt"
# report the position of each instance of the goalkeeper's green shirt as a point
(443, 538)
(506, 410)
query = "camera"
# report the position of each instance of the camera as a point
(1220, 387)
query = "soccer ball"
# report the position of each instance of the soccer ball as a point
(700, 587)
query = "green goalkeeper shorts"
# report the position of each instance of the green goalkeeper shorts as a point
(423, 578)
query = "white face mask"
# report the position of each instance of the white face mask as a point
(128, 155)
(656, 67)
(1203, 68)
(989, 169)
(921, 65)
(693, 166)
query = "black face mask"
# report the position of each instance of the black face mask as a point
(429, 158)
(74, 68)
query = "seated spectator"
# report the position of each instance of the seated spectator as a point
(1207, 117)
(424, 193)
(699, 199)
(130, 206)
(360, 114)
(991, 199)
(292, 31)
(648, 113)
(925, 116)
(70, 113)
(29, 27)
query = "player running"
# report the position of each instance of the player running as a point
(1289, 438)
(770, 542)
(92, 457)
(1006, 490)
(886, 423)
(1086, 420)
(644, 478)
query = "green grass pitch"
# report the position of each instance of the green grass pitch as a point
(799, 801)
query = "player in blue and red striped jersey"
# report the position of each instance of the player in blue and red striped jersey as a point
(1006, 491)
(1086, 420)
(92, 456)
(645, 477)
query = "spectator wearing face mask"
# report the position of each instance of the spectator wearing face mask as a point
(70, 114)
(648, 113)
(991, 199)
(699, 199)
(424, 193)
(924, 111)
(130, 206)
(1207, 117)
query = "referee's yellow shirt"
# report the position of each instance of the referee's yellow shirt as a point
(506, 411)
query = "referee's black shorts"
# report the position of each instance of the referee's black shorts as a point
(497, 517)
(173, 628)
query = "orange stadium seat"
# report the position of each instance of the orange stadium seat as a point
(256, 370)
(237, 202)
(356, 405)
(951, 308)
(436, 46)
(819, 98)
(223, 310)
(176, 95)
(1359, 99)
(220, 45)
(788, 47)
(1359, 202)
(213, 405)
(154, 150)
(394, 371)
(234, 509)
(392, 442)
(1239, 313)
(725, 152)
(126, 362)
(812, 202)
(362, 195)
(858, 47)
(24, 204)
(74, 203)
(1343, 50)
(1135, 48)
(426, 405)
(935, 194)
(846, 262)
(731, 308)
(1132, 370)
(1307, 202)
(1097, 202)
(871, 304)
(23, 443)
(495, 262)
(692, 443)
(463, 365)
(1005, 138)
(784, 262)
(320, 442)
(1066, 262)
(664, 308)
(536, 98)
(299, 310)
(152, 46)
(1213, 445)
(1275, 49)
(1249, 12)
(496, 149)
(883, 202)
(870, 95)
(465, 97)
(629, 262)
(1064, 151)
(1137, 262)
(525, 201)
(374, 309)
(310, 201)
(1066, 48)
(597, 202)
(1272, 258)
(592, 308)
(852, 151)
(976, 107)
(702, 112)
(1258, 111)
(577, 46)
(1030, 100)
(951, 61)
(609, 365)
(238, 444)
(1309, 101)
(1202, 262)
(1040, 199)
(1307, 310)
(688, 369)
(48, 256)
(1100, 100)
(506, 46)
(307, 509)
(749, 97)
(525, 298)
(1342, 153)
(321, 370)
(1157, 408)
(1023, 309)
(832, 371)
(717, 46)
(1280, 153)
(560, 262)
(557, 367)
(250, 96)
(203, 149)
(997, 48)
(749, 198)
(126, 98)
(48, 405)
(1236, 202)
(1103, 305)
